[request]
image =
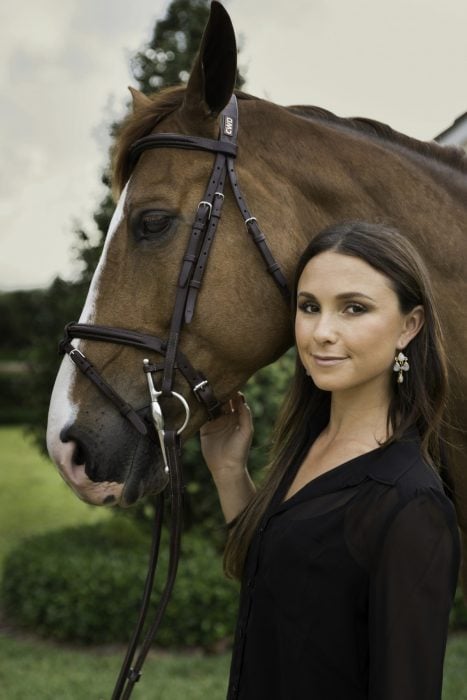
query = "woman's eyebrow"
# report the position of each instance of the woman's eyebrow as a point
(349, 295)
(342, 296)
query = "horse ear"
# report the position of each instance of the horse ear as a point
(212, 78)
(139, 99)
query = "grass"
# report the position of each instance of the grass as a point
(455, 667)
(33, 671)
(33, 497)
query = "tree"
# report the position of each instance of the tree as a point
(169, 55)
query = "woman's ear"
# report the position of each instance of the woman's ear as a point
(413, 322)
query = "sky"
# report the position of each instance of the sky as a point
(64, 72)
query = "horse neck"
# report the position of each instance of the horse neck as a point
(321, 173)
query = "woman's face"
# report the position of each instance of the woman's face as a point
(348, 325)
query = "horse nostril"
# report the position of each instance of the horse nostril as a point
(79, 456)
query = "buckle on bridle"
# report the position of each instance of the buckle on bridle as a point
(78, 352)
(207, 204)
(198, 387)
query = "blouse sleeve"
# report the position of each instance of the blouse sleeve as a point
(412, 586)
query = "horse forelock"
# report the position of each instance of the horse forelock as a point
(141, 123)
(138, 124)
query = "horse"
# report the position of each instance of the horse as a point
(301, 168)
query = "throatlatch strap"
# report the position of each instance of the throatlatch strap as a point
(258, 237)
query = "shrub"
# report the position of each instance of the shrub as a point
(84, 584)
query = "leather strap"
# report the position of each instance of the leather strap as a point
(258, 237)
(198, 237)
(126, 670)
(167, 140)
(88, 369)
(107, 334)
(130, 674)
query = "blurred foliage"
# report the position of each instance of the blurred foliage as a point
(458, 616)
(31, 323)
(94, 595)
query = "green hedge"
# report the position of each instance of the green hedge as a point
(84, 584)
(14, 408)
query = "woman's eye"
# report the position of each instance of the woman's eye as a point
(354, 309)
(151, 225)
(309, 308)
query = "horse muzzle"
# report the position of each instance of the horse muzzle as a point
(108, 467)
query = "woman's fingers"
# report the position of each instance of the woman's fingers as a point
(234, 413)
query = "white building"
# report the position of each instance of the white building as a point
(456, 134)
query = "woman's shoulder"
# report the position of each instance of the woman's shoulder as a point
(401, 491)
(401, 464)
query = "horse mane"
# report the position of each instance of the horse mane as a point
(142, 121)
(453, 156)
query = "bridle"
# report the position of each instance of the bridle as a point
(194, 263)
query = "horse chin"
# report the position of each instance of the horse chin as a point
(146, 477)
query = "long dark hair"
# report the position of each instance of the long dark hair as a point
(419, 402)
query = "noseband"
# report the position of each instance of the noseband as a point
(194, 263)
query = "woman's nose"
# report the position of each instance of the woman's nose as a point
(325, 330)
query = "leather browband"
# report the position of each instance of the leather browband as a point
(193, 143)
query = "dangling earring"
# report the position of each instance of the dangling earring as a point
(401, 365)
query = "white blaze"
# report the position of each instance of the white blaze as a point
(89, 308)
(62, 410)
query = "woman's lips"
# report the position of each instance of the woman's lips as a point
(324, 361)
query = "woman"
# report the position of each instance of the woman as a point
(349, 551)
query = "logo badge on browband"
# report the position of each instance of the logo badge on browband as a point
(228, 126)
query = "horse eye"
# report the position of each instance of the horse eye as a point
(151, 225)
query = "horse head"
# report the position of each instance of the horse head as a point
(240, 322)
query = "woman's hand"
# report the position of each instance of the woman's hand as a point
(226, 441)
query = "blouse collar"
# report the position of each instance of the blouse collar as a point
(385, 464)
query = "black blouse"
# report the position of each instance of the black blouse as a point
(348, 585)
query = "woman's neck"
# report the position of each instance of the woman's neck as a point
(359, 415)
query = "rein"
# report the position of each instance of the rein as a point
(194, 263)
